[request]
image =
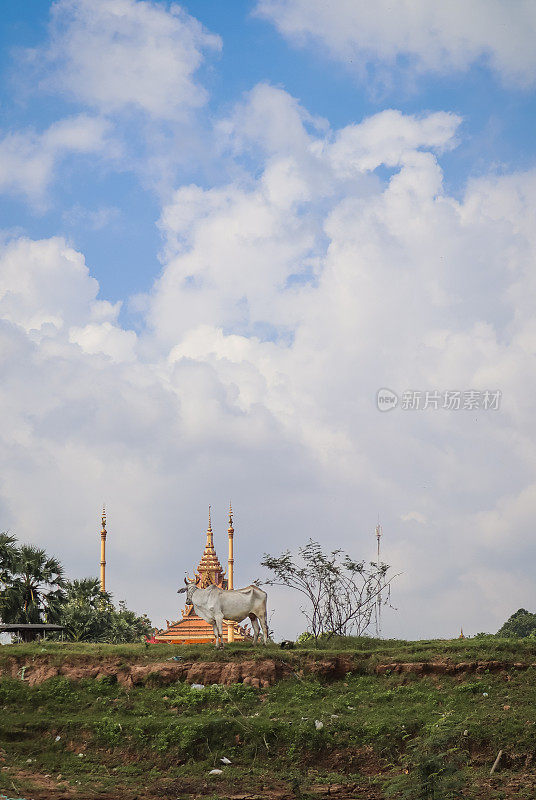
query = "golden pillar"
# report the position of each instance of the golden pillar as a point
(103, 552)
(230, 531)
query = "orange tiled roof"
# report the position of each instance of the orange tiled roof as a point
(191, 629)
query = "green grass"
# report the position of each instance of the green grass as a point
(395, 734)
(369, 651)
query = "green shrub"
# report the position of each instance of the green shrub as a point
(305, 638)
(428, 774)
(108, 731)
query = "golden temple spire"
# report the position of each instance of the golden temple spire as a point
(230, 532)
(210, 570)
(230, 569)
(210, 538)
(103, 551)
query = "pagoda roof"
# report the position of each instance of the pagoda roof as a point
(192, 629)
(209, 560)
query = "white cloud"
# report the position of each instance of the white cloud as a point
(419, 36)
(44, 284)
(389, 138)
(271, 119)
(287, 298)
(404, 293)
(28, 158)
(114, 55)
(134, 65)
(81, 134)
(46, 289)
(105, 338)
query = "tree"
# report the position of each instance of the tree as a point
(342, 593)
(520, 625)
(33, 586)
(86, 612)
(89, 615)
(128, 627)
(33, 590)
(8, 552)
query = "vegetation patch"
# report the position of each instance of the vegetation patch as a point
(391, 735)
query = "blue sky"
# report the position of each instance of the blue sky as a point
(497, 129)
(225, 226)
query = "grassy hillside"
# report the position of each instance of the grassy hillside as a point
(366, 650)
(365, 735)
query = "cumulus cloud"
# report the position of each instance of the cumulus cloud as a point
(44, 284)
(116, 55)
(270, 119)
(406, 287)
(287, 298)
(423, 37)
(389, 137)
(28, 158)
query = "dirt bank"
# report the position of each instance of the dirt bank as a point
(260, 673)
(448, 668)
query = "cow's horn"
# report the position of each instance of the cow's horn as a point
(186, 582)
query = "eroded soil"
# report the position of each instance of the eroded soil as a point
(260, 673)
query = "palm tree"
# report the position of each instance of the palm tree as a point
(8, 555)
(87, 612)
(34, 589)
(86, 591)
(8, 551)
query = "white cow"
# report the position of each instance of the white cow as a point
(215, 605)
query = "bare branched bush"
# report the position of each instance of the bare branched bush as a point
(343, 595)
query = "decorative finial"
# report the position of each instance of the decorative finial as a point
(209, 522)
(230, 514)
(103, 516)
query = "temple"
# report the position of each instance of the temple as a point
(191, 629)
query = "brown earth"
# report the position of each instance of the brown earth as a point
(259, 674)
(446, 668)
(41, 790)
(506, 786)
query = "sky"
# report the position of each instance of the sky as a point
(224, 228)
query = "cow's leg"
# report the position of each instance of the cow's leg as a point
(256, 629)
(219, 627)
(215, 629)
(263, 619)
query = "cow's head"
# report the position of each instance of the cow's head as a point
(190, 587)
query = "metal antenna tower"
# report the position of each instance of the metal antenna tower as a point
(378, 614)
